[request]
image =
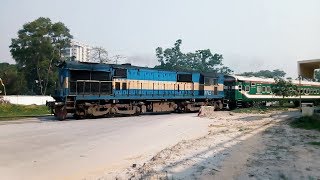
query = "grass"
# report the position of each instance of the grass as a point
(13, 111)
(314, 143)
(307, 122)
(260, 110)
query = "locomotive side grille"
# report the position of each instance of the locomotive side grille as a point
(90, 87)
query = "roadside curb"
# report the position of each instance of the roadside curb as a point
(24, 119)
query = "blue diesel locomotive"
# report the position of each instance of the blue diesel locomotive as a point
(95, 90)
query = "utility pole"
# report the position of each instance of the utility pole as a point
(300, 77)
(4, 87)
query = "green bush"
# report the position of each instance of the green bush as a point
(314, 143)
(307, 122)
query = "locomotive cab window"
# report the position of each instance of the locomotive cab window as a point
(122, 73)
(207, 81)
(124, 86)
(247, 88)
(215, 81)
(117, 86)
(184, 78)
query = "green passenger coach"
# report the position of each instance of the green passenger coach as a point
(244, 91)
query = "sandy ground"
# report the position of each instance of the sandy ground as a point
(171, 146)
(237, 146)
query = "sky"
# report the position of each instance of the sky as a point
(251, 35)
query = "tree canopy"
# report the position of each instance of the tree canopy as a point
(284, 88)
(35, 50)
(200, 60)
(265, 73)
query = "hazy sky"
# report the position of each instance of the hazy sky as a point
(251, 34)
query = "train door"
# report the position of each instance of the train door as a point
(238, 90)
(201, 85)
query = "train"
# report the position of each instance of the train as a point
(102, 90)
(242, 91)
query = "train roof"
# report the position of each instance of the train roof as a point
(94, 66)
(270, 80)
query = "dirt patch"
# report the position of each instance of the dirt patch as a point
(287, 154)
(224, 152)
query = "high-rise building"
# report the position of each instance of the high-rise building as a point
(77, 51)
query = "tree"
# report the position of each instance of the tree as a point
(99, 54)
(116, 58)
(284, 88)
(200, 60)
(265, 73)
(13, 80)
(37, 47)
(225, 70)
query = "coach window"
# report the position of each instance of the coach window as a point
(317, 91)
(117, 86)
(253, 84)
(268, 89)
(263, 89)
(258, 89)
(240, 87)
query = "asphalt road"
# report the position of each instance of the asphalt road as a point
(78, 149)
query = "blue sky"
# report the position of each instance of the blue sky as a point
(251, 34)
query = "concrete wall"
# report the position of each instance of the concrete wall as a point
(28, 100)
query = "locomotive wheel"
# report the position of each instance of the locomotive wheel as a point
(61, 112)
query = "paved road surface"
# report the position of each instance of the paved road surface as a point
(77, 149)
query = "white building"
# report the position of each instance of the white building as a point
(79, 51)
